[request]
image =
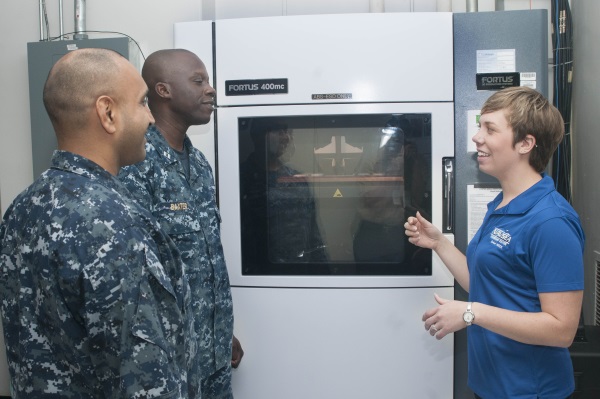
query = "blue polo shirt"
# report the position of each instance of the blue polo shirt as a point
(534, 244)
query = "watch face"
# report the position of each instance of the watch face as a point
(468, 317)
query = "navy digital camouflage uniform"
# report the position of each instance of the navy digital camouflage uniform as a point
(94, 300)
(187, 211)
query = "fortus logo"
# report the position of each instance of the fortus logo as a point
(497, 81)
(243, 87)
(494, 80)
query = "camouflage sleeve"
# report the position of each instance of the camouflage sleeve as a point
(2, 232)
(133, 321)
(134, 178)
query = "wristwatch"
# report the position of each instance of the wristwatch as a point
(469, 316)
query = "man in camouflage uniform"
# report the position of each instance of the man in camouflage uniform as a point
(94, 300)
(176, 183)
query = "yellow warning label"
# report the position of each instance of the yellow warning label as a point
(337, 194)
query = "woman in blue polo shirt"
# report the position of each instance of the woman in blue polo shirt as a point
(524, 267)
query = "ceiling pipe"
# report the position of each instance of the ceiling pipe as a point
(60, 20)
(472, 5)
(41, 20)
(80, 19)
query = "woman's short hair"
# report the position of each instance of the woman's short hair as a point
(529, 112)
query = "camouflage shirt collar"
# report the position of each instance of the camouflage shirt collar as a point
(155, 137)
(70, 162)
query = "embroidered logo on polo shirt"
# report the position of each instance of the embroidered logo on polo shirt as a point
(500, 238)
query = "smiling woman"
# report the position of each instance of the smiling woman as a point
(524, 266)
(496, 154)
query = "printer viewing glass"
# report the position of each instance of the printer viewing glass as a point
(329, 194)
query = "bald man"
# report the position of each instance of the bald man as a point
(94, 300)
(175, 182)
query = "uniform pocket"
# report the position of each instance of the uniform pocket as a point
(157, 345)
